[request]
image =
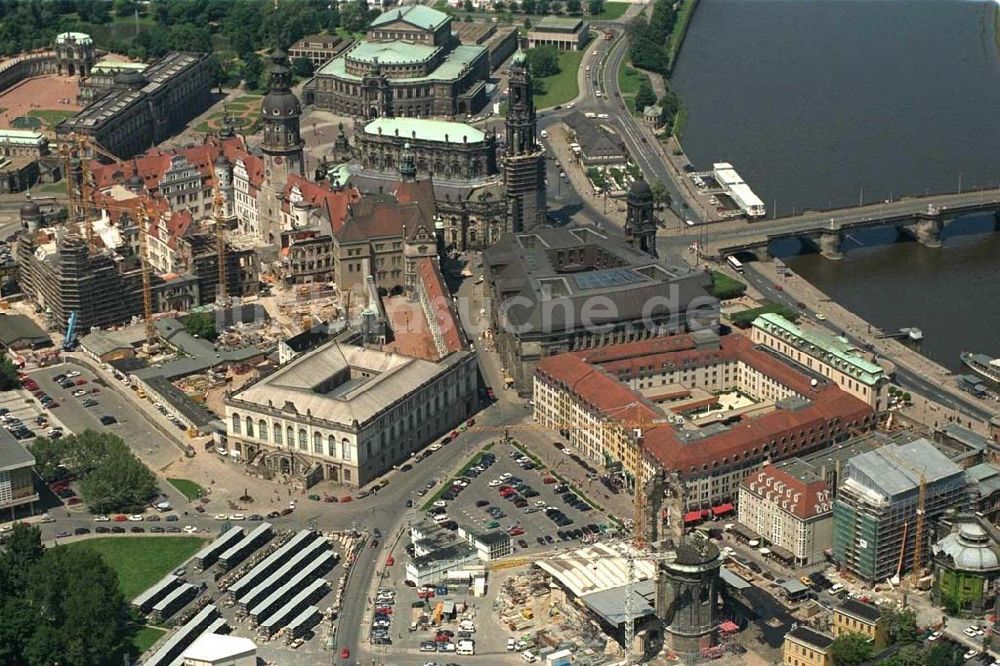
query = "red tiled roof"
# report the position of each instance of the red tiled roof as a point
(597, 384)
(801, 499)
(439, 298)
(335, 203)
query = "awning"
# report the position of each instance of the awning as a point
(744, 532)
(729, 627)
(692, 516)
(722, 509)
(783, 554)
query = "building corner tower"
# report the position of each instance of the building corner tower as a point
(524, 164)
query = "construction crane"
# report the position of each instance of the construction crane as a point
(147, 289)
(628, 553)
(918, 532)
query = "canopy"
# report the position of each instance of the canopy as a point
(722, 509)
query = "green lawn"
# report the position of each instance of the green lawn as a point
(141, 561)
(144, 638)
(248, 98)
(51, 117)
(190, 489)
(629, 80)
(51, 188)
(612, 10)
(562, 87)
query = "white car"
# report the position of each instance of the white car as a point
(505, 476)
(221, 516)
(446, 647)
(236, 516)
(72, 373)
(135, 518)
(545, 134)
(969, 631)
(933, 637)
(820, 316)
(603, 116)
(79, 393)
(462, 482)
(441, 503)
(971, 654)
(101, 519)
(494, 483)
(567, 451)
(190, 529)
(572, 104)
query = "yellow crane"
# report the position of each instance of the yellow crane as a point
(219, 212)
(147, 290)
(918, 532)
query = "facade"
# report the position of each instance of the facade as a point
(675, 385)
(74, 54)
(806, 647)
(409, 65)
(966, 567)
(18, 174)
(543, 284)
(834, 358)
(524, 161)
(143, 109)
(23, 143)
(102, 78)
(640, 225)
(790, 506)
(499, 40)
(319, 49)
(14, 70)
(877, 502)
(856, 617)
(347, 413)
(566, 34)
(17, 478)
(440, 149)
(687, 595)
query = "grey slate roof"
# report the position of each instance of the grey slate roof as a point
(15, 328)
(860, 610)
(896, 469)
(12, 454)
(811, 637)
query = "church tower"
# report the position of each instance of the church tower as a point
(282, 145)
(524, 164)
(640, 225)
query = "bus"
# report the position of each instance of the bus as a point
(735, 263)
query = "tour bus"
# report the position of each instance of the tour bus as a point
(735, 263)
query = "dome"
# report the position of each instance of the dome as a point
(30, 210)
(130, 78)
(280, 104)
(969, 549)
(640, 188)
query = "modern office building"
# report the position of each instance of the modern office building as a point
(709, 410)
(875, 512)
(410, 64)
(833, 357)
(17, 487)
(565, 33)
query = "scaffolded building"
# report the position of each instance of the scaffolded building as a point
(875, 513)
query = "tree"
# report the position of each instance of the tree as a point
(201, 325)
(851, 650)
(555, 7)
(543, 61)
(901, 624)
(121, 482)
(909, 655)
(542, 7)
(48, 455)
(528, 6)
(124, 8)
(574, 7)
(645, 96)
(252, 72)
(302, 67)
(8, 375)
(661, 195)
(945, 654)
(354, 15)
(595, 7)
(188, 37)
(467, 5)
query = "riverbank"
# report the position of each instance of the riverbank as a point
(684, 15)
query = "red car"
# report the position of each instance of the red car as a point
(470, 422)
(346, 498)
(548, 480)
(80, 382)
(120, 518)
(517, 531)
(345, 653)
(52, 405)
(329, 498)
(95, 390)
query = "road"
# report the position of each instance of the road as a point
(905, 378)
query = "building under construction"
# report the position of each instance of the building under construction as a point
(878, 529)
(62, 273)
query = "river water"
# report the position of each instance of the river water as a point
(821, 103)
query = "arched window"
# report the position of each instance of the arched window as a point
(249, 426)
(303, 440)
(317, 443)
(345, 449)
(236, 424)
(262, 430)
(289, 436)
(331, 446)
(277, 433)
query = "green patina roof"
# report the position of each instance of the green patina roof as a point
(558, 23)
(391, 53)
(836, 351)
(449, 69)
(26, 137)
(418, 15)
(427, 130)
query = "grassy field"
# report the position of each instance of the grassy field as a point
(144, 638)
(141, 561)
(51, 117)
(562, 87)
(190, 489)
(612, 10)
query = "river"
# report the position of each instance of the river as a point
(825, 103)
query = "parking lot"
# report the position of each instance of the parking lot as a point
(537, 510)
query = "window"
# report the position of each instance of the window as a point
(290, 439)
(277, 433)
(331, 446)
(236, 424)
(347, 475)
(303, 440)
(262, 430)
(249, 427)
(345, 449)
(317, 443)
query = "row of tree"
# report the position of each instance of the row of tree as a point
(59, 606)
(901, 627)
(649, 40)
(113, 479)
